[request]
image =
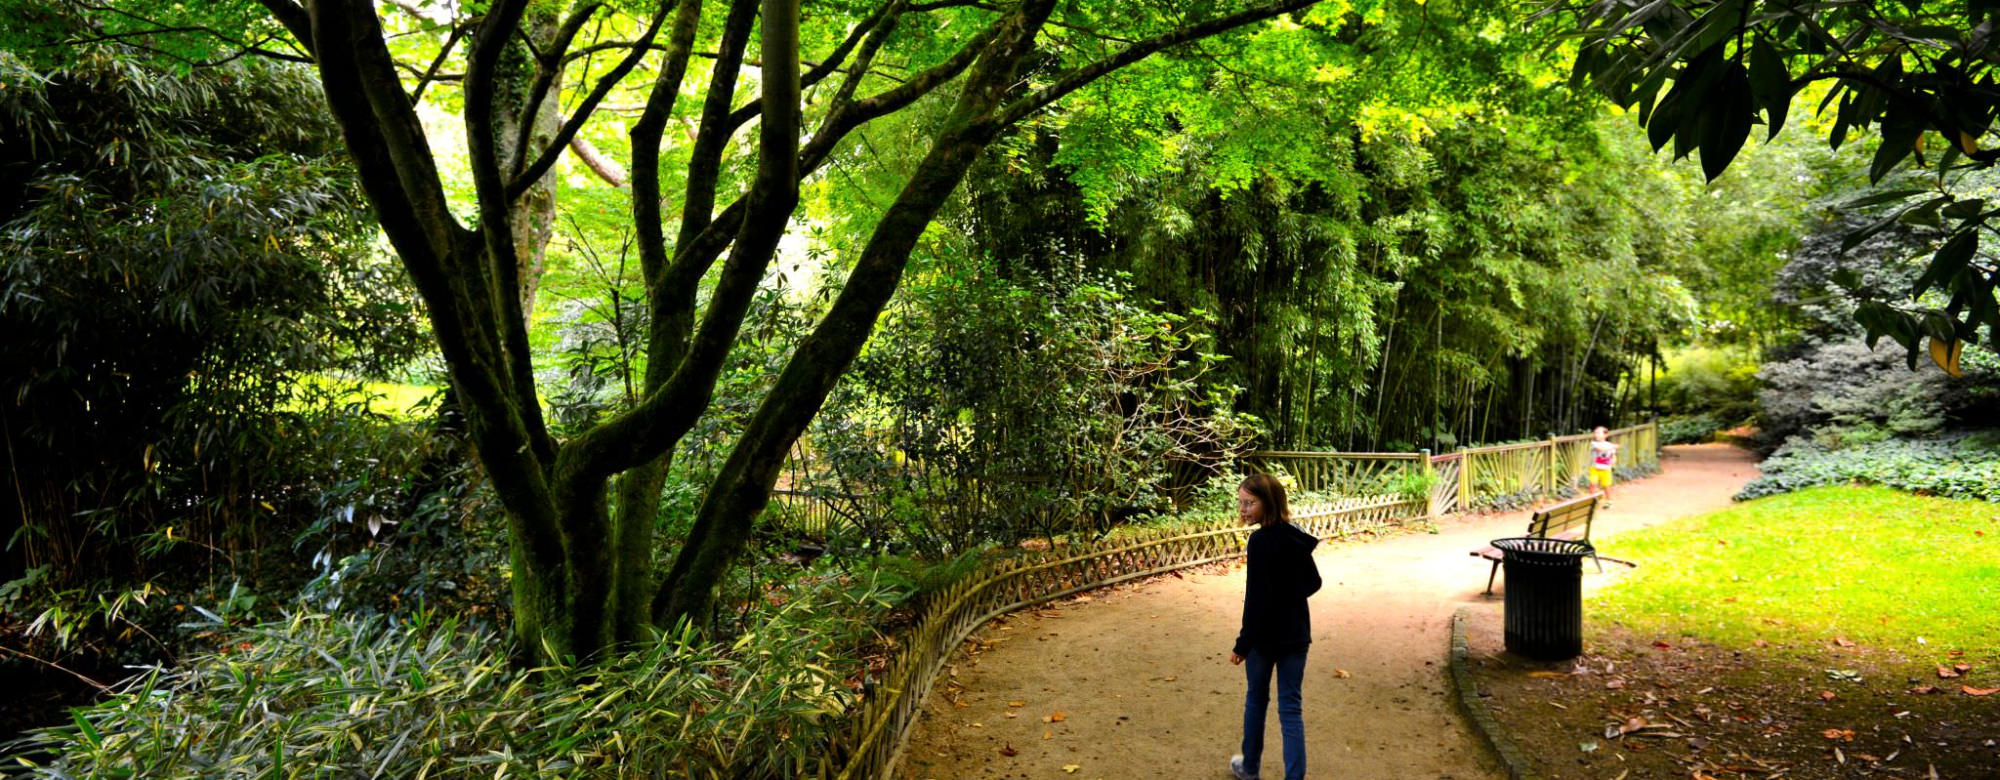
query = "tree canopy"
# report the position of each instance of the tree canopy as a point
(1920, 74)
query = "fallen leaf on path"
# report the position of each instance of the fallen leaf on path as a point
(1868, 758)
(1010, 714)
(1546, 675)
(1615, 685)
(1009, 751)
(1826, 695)
(1971, 691)
(1048, 735)
(1054, 717)
(1017, 703)
(1961, 668)
(1760, 643)
(1661, 644)
(1946, 672)
(1341, 674)
(1071, 768)
(1843, 641)
(1170, 678)
(1844, 735)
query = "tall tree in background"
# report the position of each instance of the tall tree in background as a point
(1419, 243)
(583, 571)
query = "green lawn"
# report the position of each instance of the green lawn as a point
(1874, 565)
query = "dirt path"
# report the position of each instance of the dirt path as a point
(1141, 679)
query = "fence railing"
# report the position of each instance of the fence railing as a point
(1464, 479)
(877, 735)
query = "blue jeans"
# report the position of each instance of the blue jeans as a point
(1291, 669)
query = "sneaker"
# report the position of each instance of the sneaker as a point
(1236, 768)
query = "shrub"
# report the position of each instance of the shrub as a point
(371, 697)
(991, 410)
(1689, 429)
(1966, 466)
(1716, 381)
(185, 258)
(1843, 388)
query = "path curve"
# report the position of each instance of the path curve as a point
(1140, 678)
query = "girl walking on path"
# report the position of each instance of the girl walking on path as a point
(1603, 462)
(1277, 628)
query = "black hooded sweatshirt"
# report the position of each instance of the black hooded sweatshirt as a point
(1282, 575)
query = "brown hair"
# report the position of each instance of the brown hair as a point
(1270, 494)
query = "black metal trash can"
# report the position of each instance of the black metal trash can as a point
(1544, 604)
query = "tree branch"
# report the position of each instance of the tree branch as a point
(548, 66)
(431, 74)
(711, 139)
(606, 168)
(1077, 78)
(645, 137)
(502, 275)
(694, 257)
(553, 151)
(295, 19)
(843, 120)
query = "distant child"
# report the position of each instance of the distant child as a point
(1277, 628)
(1603, 459)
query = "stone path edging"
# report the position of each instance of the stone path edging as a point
(1477, 714)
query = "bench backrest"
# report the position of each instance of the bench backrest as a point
(1569, 519)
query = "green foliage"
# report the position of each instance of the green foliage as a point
(1426, 249)
(185, 263)
(1829, 382)
(1717, 382)
(1690, 429)
(364, 696)
(1881, 65)
(995, 410)
(1963, 466)
(1883, 568)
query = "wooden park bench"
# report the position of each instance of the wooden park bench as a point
(1569, 520)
